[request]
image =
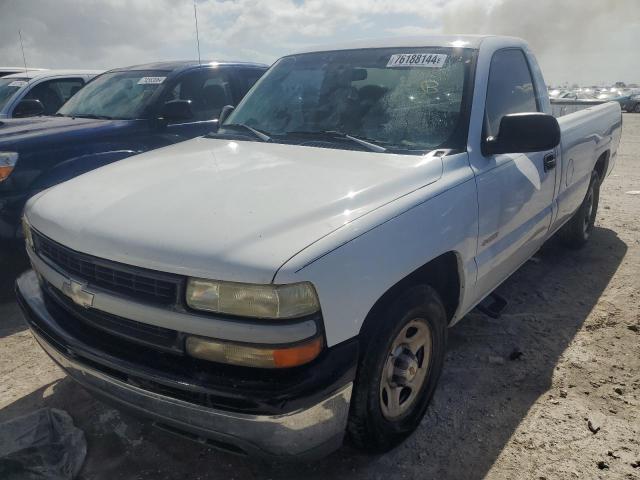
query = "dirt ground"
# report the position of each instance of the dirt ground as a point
(515, 400)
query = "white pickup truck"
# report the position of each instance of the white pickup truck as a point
(291, 277)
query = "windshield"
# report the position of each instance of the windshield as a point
(404, 99)
(118, 95)
(9, 86)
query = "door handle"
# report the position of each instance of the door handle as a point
(549, 161)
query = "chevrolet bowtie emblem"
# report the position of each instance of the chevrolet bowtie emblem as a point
(76, 292)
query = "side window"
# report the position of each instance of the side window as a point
(247, 77)
(510, 89)
(54, 93)
(69, 87)
(208, 90)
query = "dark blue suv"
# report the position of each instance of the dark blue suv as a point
(120, 113)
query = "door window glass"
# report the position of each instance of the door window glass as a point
(208, 91)
(8, 87)
(510, 89)
(247, 77)
(54, 93)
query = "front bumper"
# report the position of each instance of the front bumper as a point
(309, 432)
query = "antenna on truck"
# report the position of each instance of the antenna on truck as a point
(24, 59)
(195, 14)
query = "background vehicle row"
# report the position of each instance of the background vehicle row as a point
(120, 113)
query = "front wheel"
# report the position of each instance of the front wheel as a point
(398, 370)
(577, 231)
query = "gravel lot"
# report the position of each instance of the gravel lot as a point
(515, 399)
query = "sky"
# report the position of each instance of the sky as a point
(589, 42)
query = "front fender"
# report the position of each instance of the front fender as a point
(352, 274)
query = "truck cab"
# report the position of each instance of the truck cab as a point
(40, 92)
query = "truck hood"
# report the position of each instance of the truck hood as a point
(15, 130)
(214, 208)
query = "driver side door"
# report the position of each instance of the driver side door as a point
(515, 191)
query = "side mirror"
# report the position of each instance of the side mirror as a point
(224, 113)
(522, 133)
(29, 107)
(177, 110)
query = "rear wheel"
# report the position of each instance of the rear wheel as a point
(577, 231)
(636, 108)
(398, 370)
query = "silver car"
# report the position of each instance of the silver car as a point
(32, 93)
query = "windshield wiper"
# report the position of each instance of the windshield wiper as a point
(335, 134)
(261, 135)
(95, 117)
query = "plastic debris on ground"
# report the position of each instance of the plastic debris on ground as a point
(41, 445)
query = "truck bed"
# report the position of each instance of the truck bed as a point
(587, 135)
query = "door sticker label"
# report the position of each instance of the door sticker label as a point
(429, 60)
(151, 80)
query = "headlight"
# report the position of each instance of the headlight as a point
(252, 300)
(26, 229)
(7, 163)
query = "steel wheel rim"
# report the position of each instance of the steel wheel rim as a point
(406, 369)
(586, 224)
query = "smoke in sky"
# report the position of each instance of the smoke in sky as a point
(585, 41)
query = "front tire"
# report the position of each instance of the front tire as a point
(576, 233)
(400, 363)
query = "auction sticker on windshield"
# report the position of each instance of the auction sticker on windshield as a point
(432, 60)
(17, 83)
(151, 80)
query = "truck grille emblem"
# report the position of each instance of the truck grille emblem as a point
(76, 292)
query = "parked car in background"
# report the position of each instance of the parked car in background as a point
(565, 102)
(632, 103)
(10, 70)
(623, 97)
(40, 92)
(120, 113)
(293, 276)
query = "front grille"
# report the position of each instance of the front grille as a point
(155, 369)
(134, 282)
(137, 332)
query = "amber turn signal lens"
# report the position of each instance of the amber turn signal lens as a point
(254, 356)
(7, 164)
(5, 172)
(298, 355)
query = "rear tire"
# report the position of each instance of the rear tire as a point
(400, 364)
(577, 231)
(636, 108)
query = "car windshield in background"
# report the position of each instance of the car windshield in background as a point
(9, 86)
(117, 95)
(407, 100)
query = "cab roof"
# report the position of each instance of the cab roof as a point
(188, 64)
(20, 69)
(32, 74)
(461, 41)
